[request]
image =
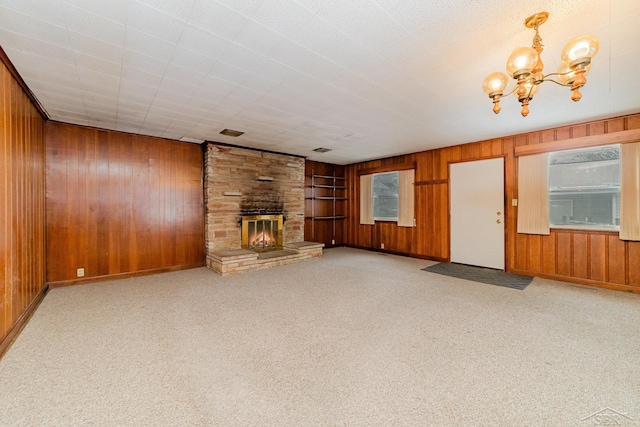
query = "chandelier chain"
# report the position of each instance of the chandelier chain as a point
(537, 40)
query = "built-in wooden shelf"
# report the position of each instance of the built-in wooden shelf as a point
(337, 187)
(327, 197)
(328, 177)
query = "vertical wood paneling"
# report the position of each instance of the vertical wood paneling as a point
(22, 214)
(633, 262)
(534, 253)
(617, 260)
(580, 254)
(586, 257)
(120, 203)
(522, 255)
(549, 253)
(598, 258)
(563, 254)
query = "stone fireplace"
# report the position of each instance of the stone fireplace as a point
(254, 201)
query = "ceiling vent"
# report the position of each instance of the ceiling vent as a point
(231, 132)
(322, 150)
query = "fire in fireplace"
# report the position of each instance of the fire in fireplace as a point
(262, 232)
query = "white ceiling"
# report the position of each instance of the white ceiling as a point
(365, 78)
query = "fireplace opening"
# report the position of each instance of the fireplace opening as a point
(262, 233)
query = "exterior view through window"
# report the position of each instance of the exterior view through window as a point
(584, 188)
(385, 196)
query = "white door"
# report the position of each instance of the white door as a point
(477, 212)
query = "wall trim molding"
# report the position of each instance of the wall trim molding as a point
(588, 283)
(127, 275)
(407, 254)
(389, 168)
(5, 344)
(621, 137)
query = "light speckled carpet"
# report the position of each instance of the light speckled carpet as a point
(354, 338)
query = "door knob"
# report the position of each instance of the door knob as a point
(498, 221)
(498, 213)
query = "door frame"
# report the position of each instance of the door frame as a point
(504, 201)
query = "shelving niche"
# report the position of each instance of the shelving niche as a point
(326, 203)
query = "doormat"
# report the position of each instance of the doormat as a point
(481, 274)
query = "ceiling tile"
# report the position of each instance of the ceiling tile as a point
(89, 24)
(115, 10)
(178, 88)
(94, 47)
(260, 39)
(154, 23)
(49, 11)
(192, 60)
(229, 73)
(145, 44)
(97, 64)
(245, 7)
(416, 14)
(282, 16)
(217, 19)
(33, 28)
(183, 75)
(216, 85)
(141, 77)
(312, 5)
(177, 8)
(203, 43)
(142, 62)
(258, 83)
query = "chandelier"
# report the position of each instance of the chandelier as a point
(525, 66)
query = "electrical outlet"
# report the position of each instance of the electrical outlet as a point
(514, 202)
(381, 245)
(333, 241)
(80, 272)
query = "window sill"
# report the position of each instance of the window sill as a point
(585, 227)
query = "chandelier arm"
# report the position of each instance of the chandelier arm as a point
(555, 81)
(512, 90)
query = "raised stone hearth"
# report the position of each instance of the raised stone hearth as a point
(234, 261)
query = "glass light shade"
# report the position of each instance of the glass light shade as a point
(566, 75)
(580, 47)
(495, 83)
(522, 61)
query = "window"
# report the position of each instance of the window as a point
(584, 188)
(385, 196)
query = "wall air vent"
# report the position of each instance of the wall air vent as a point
(231, 132)
(322, 150)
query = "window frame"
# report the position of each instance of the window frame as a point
(578, 226)
(374, 198)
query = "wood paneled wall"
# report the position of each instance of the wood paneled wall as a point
(119, 204)
(22, 207)
(592, 258)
